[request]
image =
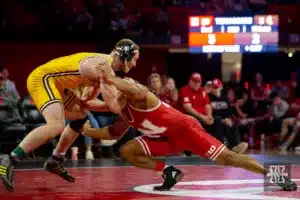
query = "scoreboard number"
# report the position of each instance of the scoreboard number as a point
(255, 38)
(212, 39)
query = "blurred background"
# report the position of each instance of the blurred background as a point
(246, 53)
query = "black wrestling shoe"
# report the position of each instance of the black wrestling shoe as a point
(171, 176)
(7, 165)
(288, 185)
(54, 165)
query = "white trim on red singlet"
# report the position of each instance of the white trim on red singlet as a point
(148, 110)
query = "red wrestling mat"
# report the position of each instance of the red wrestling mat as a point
(120, 183)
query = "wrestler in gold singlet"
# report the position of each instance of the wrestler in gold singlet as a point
(47, 82)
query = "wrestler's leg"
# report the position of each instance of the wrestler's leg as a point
(203, 144)
(55, 122)
(139, 151)
(54, 164)
(229, 158)
(54, 116)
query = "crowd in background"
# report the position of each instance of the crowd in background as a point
(101, 17)
(265, 115)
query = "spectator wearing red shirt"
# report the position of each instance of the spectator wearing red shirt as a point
(260, 93)
(195, 100)
(257, 90)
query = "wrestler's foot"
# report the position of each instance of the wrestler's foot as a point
(7, 165)
(54, 165)
(171, 176)
(288, 185)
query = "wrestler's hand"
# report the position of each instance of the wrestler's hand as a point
(87, 125)
(106, 73)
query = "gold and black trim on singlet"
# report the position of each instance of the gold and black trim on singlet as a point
(66, 103)
(48, 88)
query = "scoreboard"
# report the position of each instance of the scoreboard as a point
(208, 34)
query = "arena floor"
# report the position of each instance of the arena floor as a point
(112, 179)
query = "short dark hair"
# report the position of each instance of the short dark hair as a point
(1, 68)
(127, 42)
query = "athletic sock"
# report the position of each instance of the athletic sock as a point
(18, 153)
(57, 154)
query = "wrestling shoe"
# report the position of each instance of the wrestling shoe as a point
(54, 165)
(7, 165)
(171, 176)
(288, 185)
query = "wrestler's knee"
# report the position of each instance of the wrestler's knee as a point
(227, 157)
(54, 117)
(128, 150)
(57, 126)
(77, 125)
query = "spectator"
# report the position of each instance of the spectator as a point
(290, 121)
(5, 93)
(224, 111)
(235, 83)
(195, 100)
(208, 87)
(246, 116)
(155, 83)
(169, 92)
(278, 112)
(292, 85)
(258, 89)
(258, 92)
(9, 85)
(295, 124)
(280, 89)
(118, 23)
(245, 107)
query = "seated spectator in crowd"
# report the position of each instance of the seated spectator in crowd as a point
(5, 93)
(290, 122)
(224, 110)
(10, 85)
(195, 100)
(294, 122)
(169, 93)
(278, 111)
(208, 87)
(280, 89)
(235, 83)
(245, 107)
(293, 85)
(259, 94)
(155, 83)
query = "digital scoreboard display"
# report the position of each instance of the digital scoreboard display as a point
(208, 34)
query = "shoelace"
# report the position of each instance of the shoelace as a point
(60, 169)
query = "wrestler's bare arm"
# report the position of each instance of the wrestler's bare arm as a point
(92, 68)
(129, 88)
(96, 105)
